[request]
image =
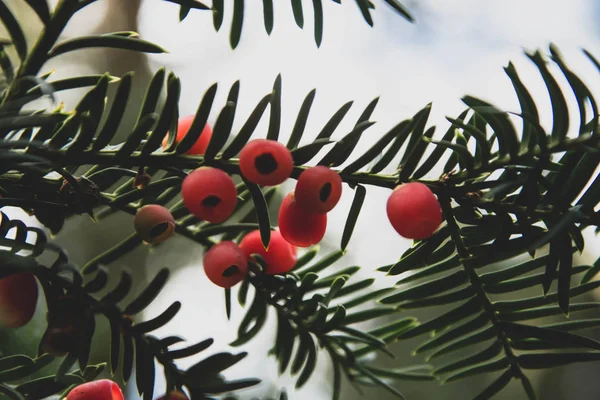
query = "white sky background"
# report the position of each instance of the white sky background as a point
(456, 47)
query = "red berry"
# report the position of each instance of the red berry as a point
(18, 298)
(298, 226)
(209, 194)
(279, 259)
(414, 211)
(174, 395)
(154, 223)
(102, 389)
(183, 126)
(266, 162)
(318, 189)
(225, 264)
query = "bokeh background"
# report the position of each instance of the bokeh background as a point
(454, 48)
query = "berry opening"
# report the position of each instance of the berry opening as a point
(265, 163)
(159, 229)
(325, 192)
(211, 201)
(318, 189)
(225, 264)
(231, 271)
(154, 223)
(210, 194)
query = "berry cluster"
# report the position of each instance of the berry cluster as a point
(210, 194)
(302, 221)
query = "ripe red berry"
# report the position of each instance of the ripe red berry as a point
(318, 189)
(183, 126)
(414, 211)
(18, 299)
(174, 395)
(225, 264)
(209, 194)
(102, 389)
(279, 259)
(298, 226)
(266, 162)
(154, 223)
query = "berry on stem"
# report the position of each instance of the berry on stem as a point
(154, 223)
(225, 264)
(279, 258)
(183, 126)
(414, 211)
(209, 194)
(102, 389)
(266, 162)
(318, 189)
(18, 299)
(299, 226)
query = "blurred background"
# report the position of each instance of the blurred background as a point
(456, 47)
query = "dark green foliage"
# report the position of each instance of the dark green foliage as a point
(147, 348)
(534, 201)
(269, 6)
(308, 320)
